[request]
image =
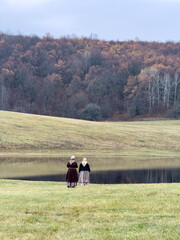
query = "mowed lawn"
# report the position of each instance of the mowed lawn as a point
(51, 211)
(34, 134)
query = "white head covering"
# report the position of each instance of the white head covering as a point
(84, 162)
(72, 159)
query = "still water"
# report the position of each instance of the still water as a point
(106, 170)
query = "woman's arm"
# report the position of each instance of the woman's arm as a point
(76, 166)
(79, 167)
(89, 168)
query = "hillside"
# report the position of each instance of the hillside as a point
(35, 134)
(89, 79)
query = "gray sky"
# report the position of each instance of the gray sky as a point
(157, 20)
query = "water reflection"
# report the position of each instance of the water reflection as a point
(119, 177)
(104, 171)
(137, 176)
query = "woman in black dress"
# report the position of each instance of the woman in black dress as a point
(72, 176)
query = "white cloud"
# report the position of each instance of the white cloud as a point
(26, 3)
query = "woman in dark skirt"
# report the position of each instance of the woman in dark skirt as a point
(72, 176)
(84, 170)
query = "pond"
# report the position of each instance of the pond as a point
(106, 170)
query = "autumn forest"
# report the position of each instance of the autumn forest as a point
(88, 78)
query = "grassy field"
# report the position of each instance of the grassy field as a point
(37, 135)
(50, 211)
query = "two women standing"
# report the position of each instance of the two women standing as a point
(72, 176)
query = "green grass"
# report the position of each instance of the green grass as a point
(50, 211)
(42, 135)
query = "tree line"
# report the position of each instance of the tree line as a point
(88, 78)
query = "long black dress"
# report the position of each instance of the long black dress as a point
(72, 176)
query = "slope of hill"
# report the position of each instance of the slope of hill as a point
(28, 133)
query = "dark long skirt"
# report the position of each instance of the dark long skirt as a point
(72, 177)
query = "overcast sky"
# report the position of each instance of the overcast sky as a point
(157, 20)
